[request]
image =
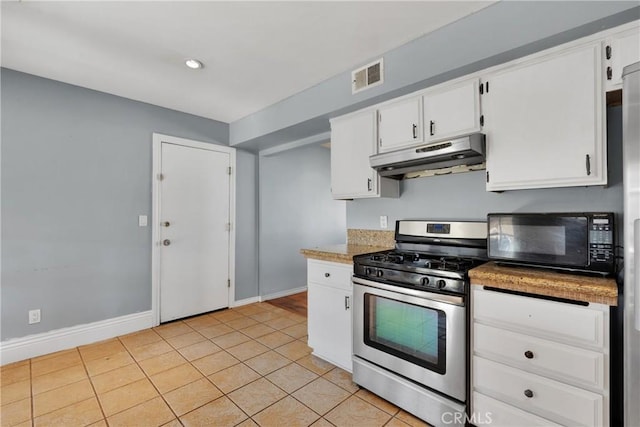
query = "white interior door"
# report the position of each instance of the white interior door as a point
(194, 231)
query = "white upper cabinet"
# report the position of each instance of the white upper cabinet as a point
(452, 111)
(621, 49)
(353, 140)
(544, 121)
(400, 124)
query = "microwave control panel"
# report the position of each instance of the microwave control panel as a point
(601, 246)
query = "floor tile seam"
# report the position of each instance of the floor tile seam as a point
(152, 385)
(284, 397)
(206, 375)
(95, 392)
(31, 376)
(111, 369)
(33, 418)
(272, 372)
(178, 348)
(32, 409)
(334, 406)
(336, 384)
(211, 401)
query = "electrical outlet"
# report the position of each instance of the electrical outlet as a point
(142, 220)
(34, 316)
(383, 221)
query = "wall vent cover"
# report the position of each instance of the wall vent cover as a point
(368, 76)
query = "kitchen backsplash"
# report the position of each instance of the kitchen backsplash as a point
(357, 236)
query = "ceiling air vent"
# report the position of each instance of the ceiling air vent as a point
(368, 76)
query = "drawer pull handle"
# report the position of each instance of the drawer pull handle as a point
(528, 354)
(327, 274)
(528, 393)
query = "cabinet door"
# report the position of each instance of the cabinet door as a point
(623, 50)
(544, 123)
(329, 324)
(452, 112)
(353, 140)
(400, 124)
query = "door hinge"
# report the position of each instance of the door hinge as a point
(487, 176)
(607, 51)
(380, 142)
(482, 120)
(228, 283)
(160, 177)
(379, 118)
(481, 88)
(229, 170)
(228, 226)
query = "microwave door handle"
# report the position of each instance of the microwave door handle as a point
(636, 272)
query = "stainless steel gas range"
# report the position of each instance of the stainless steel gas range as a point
(411, 316)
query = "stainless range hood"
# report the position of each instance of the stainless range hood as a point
(466, 150)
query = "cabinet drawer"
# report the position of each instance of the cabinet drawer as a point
(330, 273)
(547, 319)
(551, 399)
(562, 362)
(492, 412)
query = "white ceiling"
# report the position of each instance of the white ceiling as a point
(255, 53)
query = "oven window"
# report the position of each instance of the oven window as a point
(411, 332)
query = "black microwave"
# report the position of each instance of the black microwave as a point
(572, 241)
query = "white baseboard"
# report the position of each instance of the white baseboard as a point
(283, 293)
(245, 301)
(23, 348)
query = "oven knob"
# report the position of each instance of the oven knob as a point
(425, 281)
(379, 273)
(441, 284)
(368, 271)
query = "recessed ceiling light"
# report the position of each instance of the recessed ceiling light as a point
(193, 64)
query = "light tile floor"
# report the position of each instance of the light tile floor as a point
(244, 366)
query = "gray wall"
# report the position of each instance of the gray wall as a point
(463, 196)
(247, 225)
(296, 211)
(76, 173)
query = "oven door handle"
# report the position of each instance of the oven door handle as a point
(447, 299)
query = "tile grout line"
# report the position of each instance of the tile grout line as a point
(148, 379)
(95, 392)
(33, 418)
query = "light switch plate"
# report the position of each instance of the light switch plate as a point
(142, 220)
(383, 222)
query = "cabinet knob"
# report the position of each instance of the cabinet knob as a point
(415, 131)
(432, 127)
(327, 274)
(166, 242)
(528, 354)
(166, 224)
(528, 393)
(347, 305)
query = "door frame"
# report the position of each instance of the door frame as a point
(158, 139)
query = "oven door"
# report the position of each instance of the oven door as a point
(418, 335)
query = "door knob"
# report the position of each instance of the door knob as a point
(166, 242)
(166, 224)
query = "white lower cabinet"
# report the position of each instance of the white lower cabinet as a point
(539, 362)
(329, 311)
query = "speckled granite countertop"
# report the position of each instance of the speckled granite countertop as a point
(359, 241)
(340, 253)
(543, 282)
